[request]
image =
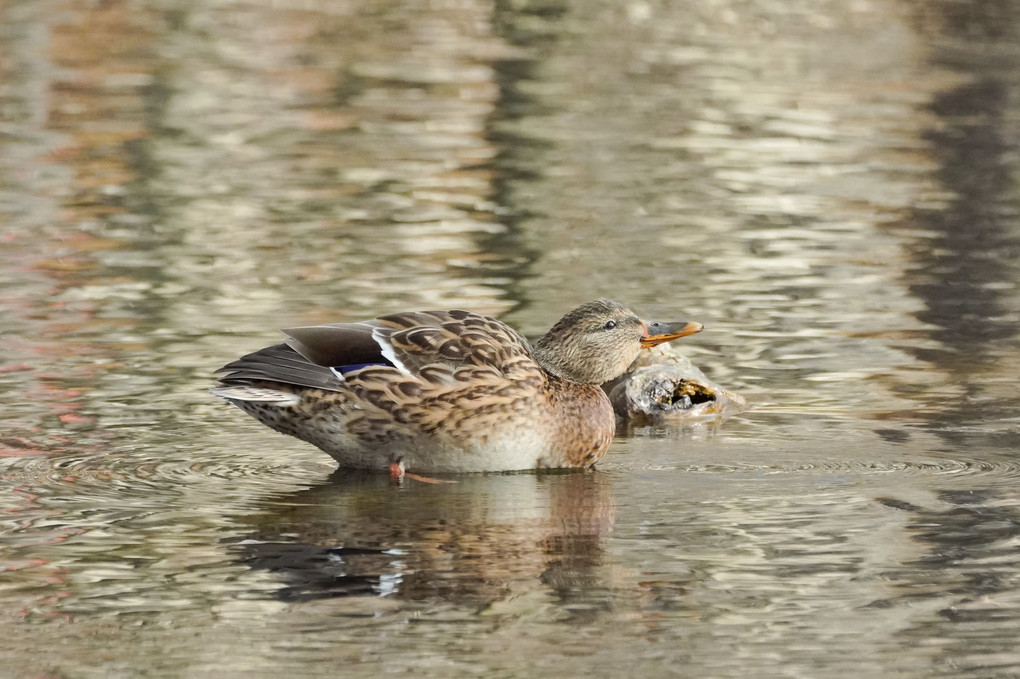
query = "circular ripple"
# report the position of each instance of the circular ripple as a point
(998, 469)
(128, 477)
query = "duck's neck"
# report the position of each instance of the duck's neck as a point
(556, 362)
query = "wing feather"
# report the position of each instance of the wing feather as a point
(405, 351)
(412, 341)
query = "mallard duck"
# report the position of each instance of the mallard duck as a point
(447, 391)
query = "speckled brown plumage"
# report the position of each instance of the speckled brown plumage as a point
(447, 391)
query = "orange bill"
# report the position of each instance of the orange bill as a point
(657, 332)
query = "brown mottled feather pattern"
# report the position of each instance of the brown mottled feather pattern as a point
(453, 338)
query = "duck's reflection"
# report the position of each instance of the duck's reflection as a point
(476, 541)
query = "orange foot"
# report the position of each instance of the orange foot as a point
(397, 473)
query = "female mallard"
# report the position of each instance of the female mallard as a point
(447, 391)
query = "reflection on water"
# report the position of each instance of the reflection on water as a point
(482, 541)
(829, 187)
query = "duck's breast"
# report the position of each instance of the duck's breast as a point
(583, 424)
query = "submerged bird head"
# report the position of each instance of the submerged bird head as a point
(597, 341)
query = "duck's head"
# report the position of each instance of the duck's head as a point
(597, 341)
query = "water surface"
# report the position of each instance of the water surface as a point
(830, 187)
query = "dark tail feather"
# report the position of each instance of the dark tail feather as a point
(279, 363)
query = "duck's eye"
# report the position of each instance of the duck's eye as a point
(610, 325)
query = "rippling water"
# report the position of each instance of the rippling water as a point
(830, 187)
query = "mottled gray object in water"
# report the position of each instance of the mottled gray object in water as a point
(663, 384)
